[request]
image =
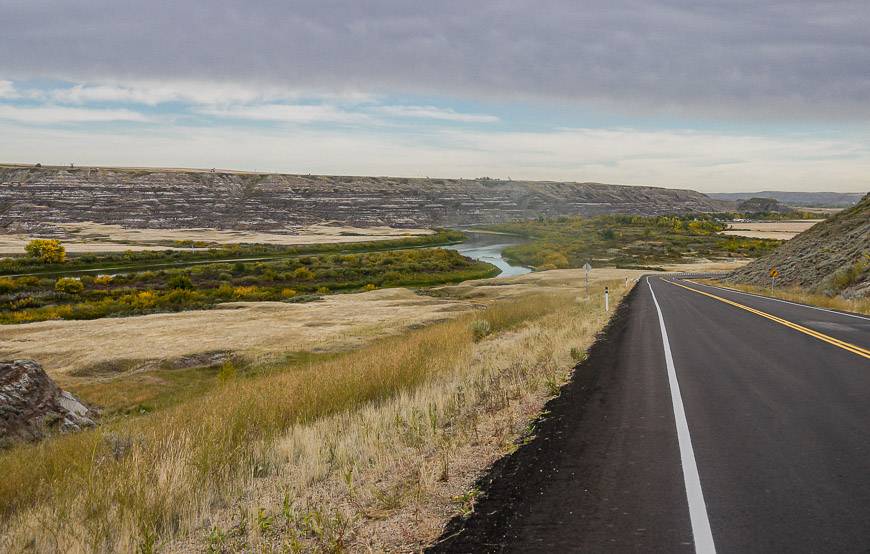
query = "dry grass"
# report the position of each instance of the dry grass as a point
(256, 330)
(339, 455)
(782, 230)
(796, 294)
(101, 237)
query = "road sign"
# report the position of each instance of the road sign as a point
(774, 272)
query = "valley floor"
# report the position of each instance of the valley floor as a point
(90, 237)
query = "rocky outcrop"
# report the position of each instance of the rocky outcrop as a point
(37, 199)
(32, 405)
(832, 257)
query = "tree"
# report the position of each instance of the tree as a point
(69, 285)
(48, 251)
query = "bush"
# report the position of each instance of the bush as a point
(480, 328)
(303, 274)
(7, 285)
(48, 251)
(370, 286)
(68, 285)
(103, 280)
(180, 281)
(288, 293)
(244, 292)
(323, 290)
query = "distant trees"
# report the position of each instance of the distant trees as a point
(48, 251)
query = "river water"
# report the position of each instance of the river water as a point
(487, 247)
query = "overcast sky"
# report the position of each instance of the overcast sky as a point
(715, 96)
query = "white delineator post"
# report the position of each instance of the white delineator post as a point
(587, 268)
(606, 300)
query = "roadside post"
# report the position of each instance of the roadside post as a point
(774, 273)
(587, 268)
(606, 300)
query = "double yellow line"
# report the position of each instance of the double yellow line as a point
(854, 349)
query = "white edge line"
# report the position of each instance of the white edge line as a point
(697, 507)
(781, 300)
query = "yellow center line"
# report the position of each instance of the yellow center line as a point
(855, 349)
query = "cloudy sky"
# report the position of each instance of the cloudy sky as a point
(721, 95)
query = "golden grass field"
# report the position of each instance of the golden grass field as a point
(356, 423)
(783, 230)
(100, 237)
(372, 449)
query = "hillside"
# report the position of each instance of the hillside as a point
(806, 199)
(832, 257)
(36, 199)
(762, 205)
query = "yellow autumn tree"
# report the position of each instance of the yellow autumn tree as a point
(49, 251)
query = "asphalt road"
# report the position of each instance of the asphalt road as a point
(751, 435)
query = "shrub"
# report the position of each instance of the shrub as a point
(68, 285)
(480, 328)
(244, 292)
(288, 293)
(225, 290)
(142, 300)
(323, 290)
(578, 354)
(227, 372)
(180, 281)
(7, 285)
(370, 286)
(303, 274)
(48, 251)
(103, 280)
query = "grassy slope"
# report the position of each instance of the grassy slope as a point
(350, 425)
(828, 258)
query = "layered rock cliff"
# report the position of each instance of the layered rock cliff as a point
(36, 199)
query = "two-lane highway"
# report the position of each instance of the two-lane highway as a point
(710, 420)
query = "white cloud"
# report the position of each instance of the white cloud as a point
(158, 93)
(432, 112)
(7, 90)
(700, 161)
(288, 113)
(59, 114)
(211, 93)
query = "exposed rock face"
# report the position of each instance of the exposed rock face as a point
(831, 257)
(31, 404)
(36, 198)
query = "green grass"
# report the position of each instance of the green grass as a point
(294, 279)
(144, 260)
(625, 241)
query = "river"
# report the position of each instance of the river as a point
(488, 247)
